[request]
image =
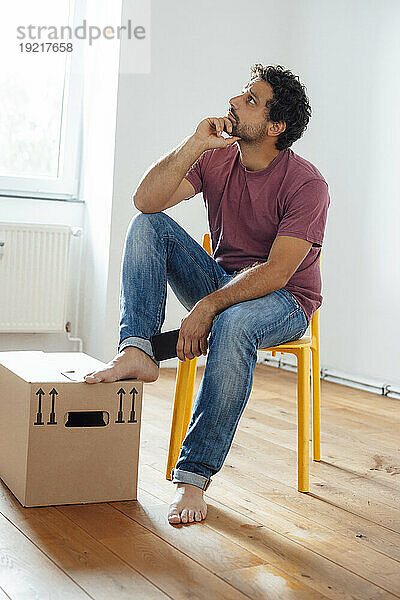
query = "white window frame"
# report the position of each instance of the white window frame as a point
(66, 185)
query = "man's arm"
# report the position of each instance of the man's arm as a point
(161, 181)
(286, 255)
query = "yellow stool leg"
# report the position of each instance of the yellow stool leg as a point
(182, 410)
(316, 416)
(303, 418)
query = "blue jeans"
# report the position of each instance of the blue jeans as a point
(158, 250)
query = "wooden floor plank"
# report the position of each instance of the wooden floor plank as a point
(25, 572)
(97, 570)
(321, 473)
(352, 459)
(303, 566)
(214, 551)
(320, 510)
(337, 555)
(261, 539)
(350, 491)
(169, 569)
(279, 585)
(282, 409)
(278, 398)
(205, 546)
(359, 459)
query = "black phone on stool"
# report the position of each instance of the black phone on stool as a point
(164, 344)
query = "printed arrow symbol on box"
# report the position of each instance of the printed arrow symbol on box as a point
(132, 414)
(41, 393)
(53, 394)
(39, 420)
(120, 415)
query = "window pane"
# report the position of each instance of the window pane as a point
(32, 91)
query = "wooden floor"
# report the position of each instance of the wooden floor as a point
(261, 538)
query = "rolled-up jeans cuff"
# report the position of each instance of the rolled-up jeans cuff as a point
(181, 476)
(141, 343)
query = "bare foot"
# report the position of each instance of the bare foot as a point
(188, 505)
(130, 363)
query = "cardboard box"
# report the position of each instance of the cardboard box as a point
(62, 440)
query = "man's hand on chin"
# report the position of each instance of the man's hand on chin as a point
(194, 331)
(209, 133)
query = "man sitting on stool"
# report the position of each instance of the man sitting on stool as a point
(267, 210)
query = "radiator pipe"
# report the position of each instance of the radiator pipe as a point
(77, 232)
(374, 387)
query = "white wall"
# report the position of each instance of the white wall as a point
(346, 53)
(349, 52)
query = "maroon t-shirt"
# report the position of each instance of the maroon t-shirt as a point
(246, 210)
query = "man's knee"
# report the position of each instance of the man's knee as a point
(151, 223)
(143, 219)
(231, 324)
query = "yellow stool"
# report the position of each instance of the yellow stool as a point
(184, 388)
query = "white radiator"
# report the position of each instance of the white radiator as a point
(34, 273)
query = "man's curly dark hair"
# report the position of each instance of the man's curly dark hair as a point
(289, 104)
